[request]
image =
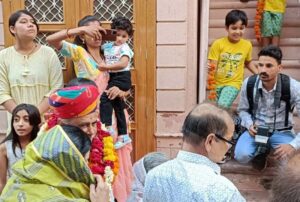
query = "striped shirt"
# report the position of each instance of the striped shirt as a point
(189, 177)
(266, 111)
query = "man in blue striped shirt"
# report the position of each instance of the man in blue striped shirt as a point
(281, 136)
(194, 175)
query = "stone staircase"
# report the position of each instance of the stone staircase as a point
(290, 39)
(247, 179)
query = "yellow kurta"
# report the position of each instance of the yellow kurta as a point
(28, 79)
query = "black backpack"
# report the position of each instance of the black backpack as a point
(282, 92)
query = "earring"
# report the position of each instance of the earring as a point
(83, 41)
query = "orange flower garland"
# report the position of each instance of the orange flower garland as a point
(211, 83)
(258, 17)
(103, 157)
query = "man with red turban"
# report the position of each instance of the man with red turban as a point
(76, 105)
(54, 163)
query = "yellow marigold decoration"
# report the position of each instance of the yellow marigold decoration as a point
(211, 83)
(103, 158)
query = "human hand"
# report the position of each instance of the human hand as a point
(93, 31)
(100, 192)
(114, 92)
(103, 67)
(252, 130)
(283, 151)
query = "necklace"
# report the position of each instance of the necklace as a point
(29, 53)
(97, 61)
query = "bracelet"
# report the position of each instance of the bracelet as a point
(67, 33)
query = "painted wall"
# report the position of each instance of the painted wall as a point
(176, 69)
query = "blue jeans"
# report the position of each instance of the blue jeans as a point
(245, 148)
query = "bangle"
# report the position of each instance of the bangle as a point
(67, 33)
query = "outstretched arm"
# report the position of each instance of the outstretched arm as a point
(57, 38)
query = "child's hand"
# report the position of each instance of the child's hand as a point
(103, 67)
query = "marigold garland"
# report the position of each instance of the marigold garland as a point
(103, 158)
(258, 17)
(211, 83)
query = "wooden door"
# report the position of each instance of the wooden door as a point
(54, 15)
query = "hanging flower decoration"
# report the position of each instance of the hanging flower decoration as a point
(103, 158)
(258, 17)
(211, 82)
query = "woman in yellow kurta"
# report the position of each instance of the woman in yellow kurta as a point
(29, 72)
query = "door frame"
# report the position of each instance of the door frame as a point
(145, 66)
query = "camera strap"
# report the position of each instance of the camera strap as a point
(277, 97)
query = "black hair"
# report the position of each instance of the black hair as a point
(78, 137)
(234, 16)
(80, 81)
(122, 23)
(16, 15)
(271, 51)
(83, 22)
(34, 120)
(197, 126)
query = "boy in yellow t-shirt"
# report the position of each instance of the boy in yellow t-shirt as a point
(272, 21)
(230, 54)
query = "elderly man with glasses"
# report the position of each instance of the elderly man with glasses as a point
(194, 174)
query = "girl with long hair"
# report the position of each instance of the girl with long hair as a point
(24, 128)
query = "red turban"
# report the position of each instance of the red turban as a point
(75, 101)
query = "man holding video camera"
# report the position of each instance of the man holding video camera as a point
(265, 108)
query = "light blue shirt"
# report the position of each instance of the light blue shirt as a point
(189, 177)
(114, 53)
(265, 112)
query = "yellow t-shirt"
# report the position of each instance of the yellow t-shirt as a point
(277, 6)
(231, 59)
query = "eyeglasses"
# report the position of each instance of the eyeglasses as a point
(227, 141)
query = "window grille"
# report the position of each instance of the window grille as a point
(46, 11)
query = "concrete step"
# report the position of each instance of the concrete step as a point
(250, 187)
(248, 180)
(220, 23)
(251, 4)
(286, 32)
(291, 69)
(233, 167)
(287, 42)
